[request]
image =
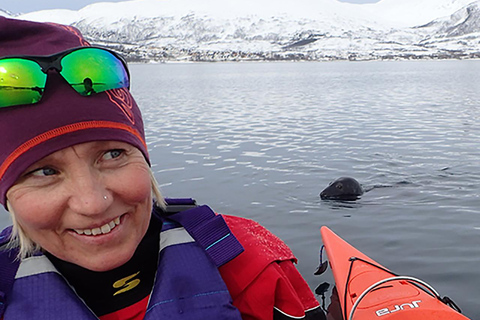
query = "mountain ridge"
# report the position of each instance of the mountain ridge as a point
(187, 30)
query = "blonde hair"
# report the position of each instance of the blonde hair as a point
(27, 247)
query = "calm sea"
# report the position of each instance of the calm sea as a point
(261, 140)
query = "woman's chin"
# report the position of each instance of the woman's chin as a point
(104, 263)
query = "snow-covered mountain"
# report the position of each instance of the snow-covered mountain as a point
(463, 22)
(5, 13)
(213, 30)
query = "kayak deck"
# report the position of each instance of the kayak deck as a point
(367, 290)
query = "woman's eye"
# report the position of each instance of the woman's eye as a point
(44, 172)
(112, 154)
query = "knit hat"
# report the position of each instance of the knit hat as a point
(63, 117)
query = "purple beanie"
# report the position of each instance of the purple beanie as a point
(63, 117)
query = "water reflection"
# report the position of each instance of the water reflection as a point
(261, 140)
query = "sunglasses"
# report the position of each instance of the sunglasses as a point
(88, 70)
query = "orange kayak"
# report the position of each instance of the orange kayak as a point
(369, 291)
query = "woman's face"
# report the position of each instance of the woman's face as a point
(89, 204)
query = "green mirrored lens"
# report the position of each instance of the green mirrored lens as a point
(93, 70)
(21, 82)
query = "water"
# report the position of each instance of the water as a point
(261, 140)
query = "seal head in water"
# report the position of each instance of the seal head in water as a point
(344, 188)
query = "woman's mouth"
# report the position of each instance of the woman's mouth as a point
(106, 228)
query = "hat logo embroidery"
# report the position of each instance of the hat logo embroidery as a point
(123, 100)
(83, 42)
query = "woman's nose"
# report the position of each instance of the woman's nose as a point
(89, 194)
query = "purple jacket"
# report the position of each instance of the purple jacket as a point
(188, 284)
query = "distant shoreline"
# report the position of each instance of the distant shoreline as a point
(139, 54)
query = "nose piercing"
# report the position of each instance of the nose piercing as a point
(105, 197)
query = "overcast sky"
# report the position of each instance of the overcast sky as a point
(24, 6)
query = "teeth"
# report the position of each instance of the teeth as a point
(106, 228)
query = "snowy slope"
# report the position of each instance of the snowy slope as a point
(5, 13)
(278, 29)
(462, 22)
(417, 12)
(398, 12)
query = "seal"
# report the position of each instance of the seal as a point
(344, 188)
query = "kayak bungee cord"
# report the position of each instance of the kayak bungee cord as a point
(414, 281)
(352, 260)
(375, 285)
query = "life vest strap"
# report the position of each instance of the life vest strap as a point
(180, 204)
(208, 229)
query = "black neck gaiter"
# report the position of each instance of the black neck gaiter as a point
(110, 291)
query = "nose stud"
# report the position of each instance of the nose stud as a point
(105, 197)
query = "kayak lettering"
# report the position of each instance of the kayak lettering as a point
(385, 311)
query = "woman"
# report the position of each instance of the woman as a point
(92, 238)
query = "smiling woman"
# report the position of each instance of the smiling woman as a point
(91, 231)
